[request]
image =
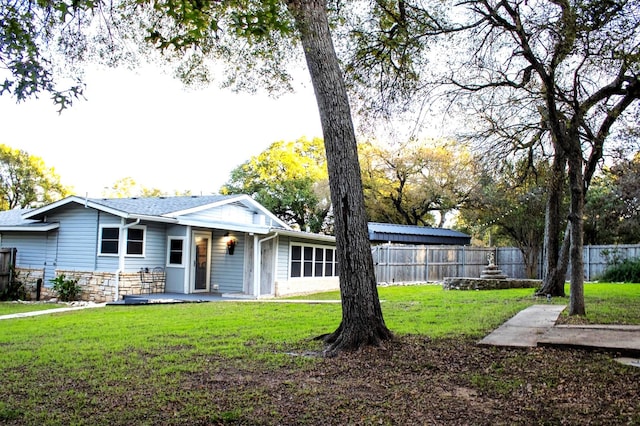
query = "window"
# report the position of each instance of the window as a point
(312, 261)
(109, 240)
(175, 255)
(135, 241)
(296, 261)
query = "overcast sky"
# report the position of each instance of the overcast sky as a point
(145, 125)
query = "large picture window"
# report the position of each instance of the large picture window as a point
(312, 261)
(109, 238)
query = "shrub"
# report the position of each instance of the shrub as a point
(625, 271)
(15, 289)
(67, 288)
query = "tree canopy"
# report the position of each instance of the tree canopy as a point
(25, 181)
(416, 182)
(612, 210)
(290, 179)
(128, 187)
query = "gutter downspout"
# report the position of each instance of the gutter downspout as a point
(257, 249)
(123, 226)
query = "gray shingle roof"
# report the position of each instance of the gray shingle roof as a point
(13, 217)
(158, 206)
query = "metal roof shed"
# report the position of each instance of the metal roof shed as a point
(419, 235)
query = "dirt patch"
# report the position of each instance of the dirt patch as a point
(415, 380)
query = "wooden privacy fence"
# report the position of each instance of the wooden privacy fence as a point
(410, 264)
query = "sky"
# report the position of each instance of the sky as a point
(145, 125)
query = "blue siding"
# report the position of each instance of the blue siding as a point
(35, 250)
(76, 237)
(227, 271)
(51, 257)
(105, 263)
(282, 268)
(154, 251)
(31, 246)
(78, 242)
(175, 275)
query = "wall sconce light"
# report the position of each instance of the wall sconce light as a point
(230, 242)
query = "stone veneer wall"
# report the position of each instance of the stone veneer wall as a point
(457, 283)
(29, 278)
(96, 286)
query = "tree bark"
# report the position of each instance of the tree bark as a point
(362, 321)
(576, 214)
(553, 272)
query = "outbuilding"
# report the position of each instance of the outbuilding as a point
(382, 233)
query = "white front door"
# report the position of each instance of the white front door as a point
(200, 261)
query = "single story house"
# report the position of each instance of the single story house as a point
(188, 244)
(381, 233)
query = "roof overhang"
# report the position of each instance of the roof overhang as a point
(259, 230)
(227, 226)
(305, 235)
(34, 227)
(72, 199)
(150, 218)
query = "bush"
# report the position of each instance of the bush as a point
(67, 288)
(15, 290)
(625, 271)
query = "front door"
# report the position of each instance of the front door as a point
(201, 264)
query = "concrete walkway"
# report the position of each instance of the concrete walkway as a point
(51, 311)
(536, 326)
(525, 328)
(165, 298)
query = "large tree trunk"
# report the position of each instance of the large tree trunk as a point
(576, 214)
(553, 271)
(530, 255)
(362, 320)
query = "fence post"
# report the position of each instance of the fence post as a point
(426, 263)
(588, 263)
(464, 263)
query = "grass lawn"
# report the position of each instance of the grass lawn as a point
(7, 308)
(248, 363)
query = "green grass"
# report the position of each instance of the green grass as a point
(7, 308)
(56, 368)
(610, 303)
